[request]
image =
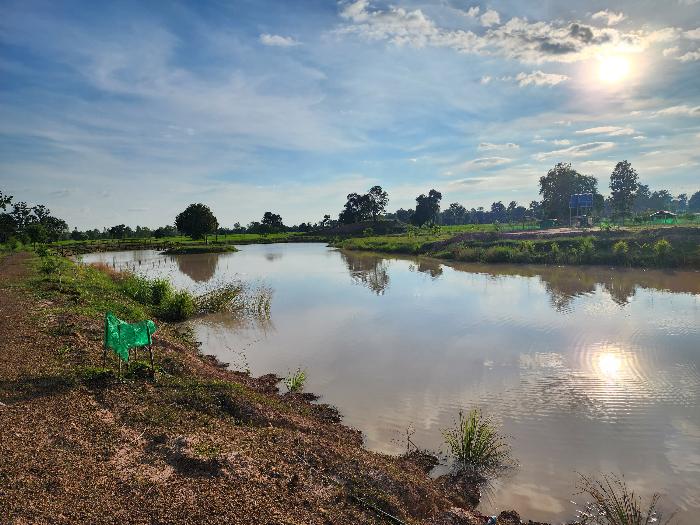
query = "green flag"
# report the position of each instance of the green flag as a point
(121, 336)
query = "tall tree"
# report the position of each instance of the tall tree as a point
(427, 207)
(376, 201)
(559, 184)
(694, 202)
(197, 221)
(353, 210)
(624, 183)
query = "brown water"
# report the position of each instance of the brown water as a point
(587, 369)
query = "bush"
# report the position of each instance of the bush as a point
(621, 250)
(161, 289)
(497, 254)
(554, 252)
(586, 248)
(476, 444)
(177, 307)
(662, 249)
(527, 246)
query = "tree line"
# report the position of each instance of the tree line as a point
(628, 197)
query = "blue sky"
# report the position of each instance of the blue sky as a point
(127, 112)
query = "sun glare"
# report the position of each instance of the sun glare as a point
(612, 69)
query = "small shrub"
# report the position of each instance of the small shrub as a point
(368, 232)
(586, 248)
(497, 254)
(662, 249)
(42, 250)
(621, 250)
(554, 252)
(161, 289)
(295, 381)
(177, 307)
(614, 503)
(466, 253)
(527, 246)
(476, 444)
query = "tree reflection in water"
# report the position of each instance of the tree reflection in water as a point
(199, 267)
(368, 269)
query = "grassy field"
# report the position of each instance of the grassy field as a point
(667, 246)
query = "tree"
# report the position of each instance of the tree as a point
(559, 184)
(498, 210)
(660, 200)
(353, 210)
(641, 198)
(624, 183)
(5, 200)
(427, 208)
(273, 220)
(326, 222)
(376, 201)
(165, 231)
(118, 231)
(36, 233)
(404, 215)
(197, 221)
(454, 214)
(56, 229)
(694, 202)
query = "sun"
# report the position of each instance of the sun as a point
(613, 69)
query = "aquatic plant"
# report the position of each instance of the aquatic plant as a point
(223, 297)
(476, 444)
(295, 381)
(614, 503)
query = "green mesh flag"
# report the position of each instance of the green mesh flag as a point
(120, 336)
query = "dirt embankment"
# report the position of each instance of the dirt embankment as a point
(198, 445)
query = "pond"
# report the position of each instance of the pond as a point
(587, 369)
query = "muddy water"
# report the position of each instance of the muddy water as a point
(587, 369)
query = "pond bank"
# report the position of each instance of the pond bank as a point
(199, 443)
(675, 247)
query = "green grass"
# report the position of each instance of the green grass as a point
(295, 381)
(614, 503)
(476, 445)
(644, 248)
(200, 248)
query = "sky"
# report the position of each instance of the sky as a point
(126, 112)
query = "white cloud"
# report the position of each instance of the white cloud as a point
(562, 142)
(519, 39)
(486, 146)
(278, 40)
(692, 34)
(690, 56)
(483, 162)
(670, 51)
(473, 12)
(486, 79)
(613, 131)
(580, 150)
(680, 110)
(539, 78)
(611, 18)
(490, 18)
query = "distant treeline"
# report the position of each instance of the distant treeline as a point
(628, 198)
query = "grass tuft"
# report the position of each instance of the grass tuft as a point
(295, 381)
(476, 444)
(614, 503)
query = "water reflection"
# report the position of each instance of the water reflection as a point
(368, 269)
(588, 369)
(200, 267)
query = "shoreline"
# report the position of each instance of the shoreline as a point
(200, 433)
